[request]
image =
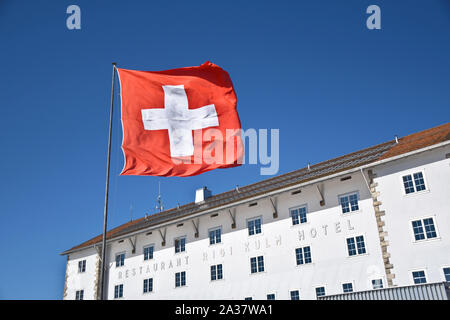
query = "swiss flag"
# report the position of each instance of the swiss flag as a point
(179, 122)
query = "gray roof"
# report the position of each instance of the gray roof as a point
(296, 177)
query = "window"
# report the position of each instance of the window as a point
(216, 272)
(419, 277)
(303, 255)
(446, 273)
(257, 264)
(120, 259)
(118, 291)
(180, 279)
(356, 246)
(420, 233)
(271, 296)
(377, 283)
(414, 183)
(320, 292)
(349, 202)
(81, 266)
(180, 245)
(347, 287)
(295, 295)
(215, 236)
(148, 285)
(298, 215)
(148, 252)
(79, 295)
(248, 298)
(254, 226)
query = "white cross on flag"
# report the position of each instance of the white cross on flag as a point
(179, 122)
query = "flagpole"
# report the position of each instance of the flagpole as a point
(105, 218)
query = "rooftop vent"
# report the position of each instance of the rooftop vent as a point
(202, 194)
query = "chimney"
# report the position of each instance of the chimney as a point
(202, 194)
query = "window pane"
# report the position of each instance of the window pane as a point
(345, 204)
(419, 277)
(418, 180)
(351, 246)
(347, 287)
(299, 255)
(253, 265)
(320, 291)
(377, 284)
(360, 244)
(302, 213)
(408, 184)
(219, 271)
(177, 279)
(258, 226)
(213, 273)
(354, 202)
(307, 254)
(218, 235)
(447, 274)
(429, 228)
(295, 295)
(418, 230)
(271, 296)
(260, 264)
(295, 217)
(251, 227)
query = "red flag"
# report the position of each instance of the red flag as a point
(179, 122)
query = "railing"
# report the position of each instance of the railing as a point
(432, 291)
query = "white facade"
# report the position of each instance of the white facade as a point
(325, 232)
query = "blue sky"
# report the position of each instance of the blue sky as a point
(310, 68)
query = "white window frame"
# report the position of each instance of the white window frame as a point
(175, 241)
(411, 173)
(79, 290)
(185, 279)
(291, 290)
(320, 286)
(153, 285)
(347, 282)
(254, 218)
(416, 270)
(442, 272)
(305, 205)
(212, 265)
(348, 194)
(274, 296)
(365, 245)
(382, 283)
(221, 234)
(411, 229)
(124, 257)
(114, 291)
(85, 264)
(257, 267)
(303, 253)
(143, 251)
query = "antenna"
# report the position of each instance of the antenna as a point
(131, 212)
(159, 205)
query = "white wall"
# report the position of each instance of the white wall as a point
(330, 268)
(406, 253)
(81, 281)
(325, 232)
